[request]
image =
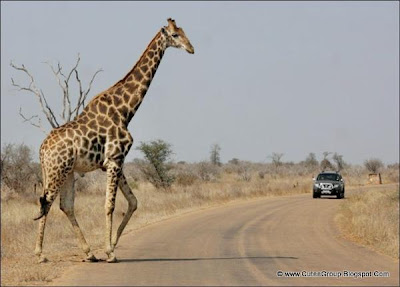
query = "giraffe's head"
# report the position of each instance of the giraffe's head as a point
(176, 37)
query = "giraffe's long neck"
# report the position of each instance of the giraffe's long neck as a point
(129, 92)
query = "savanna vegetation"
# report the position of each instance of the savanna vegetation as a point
(371, 217)
(165, 188)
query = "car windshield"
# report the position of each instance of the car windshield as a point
(328, 176)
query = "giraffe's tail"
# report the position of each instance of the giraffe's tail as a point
(44, 207)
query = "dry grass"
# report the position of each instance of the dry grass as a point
(18, 230)
(371, 217)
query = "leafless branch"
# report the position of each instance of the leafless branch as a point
(83, 94)
(68, 105)
(63, 80)
(39, 121)
(53, 117)
(58, 74)
(91, 82)
(39, 94)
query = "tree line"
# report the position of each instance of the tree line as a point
(157, 167)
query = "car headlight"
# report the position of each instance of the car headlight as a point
(336, 185)
(316, 184)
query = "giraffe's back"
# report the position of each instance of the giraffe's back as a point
(72, 147)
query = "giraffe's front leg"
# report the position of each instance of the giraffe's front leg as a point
(113, 173)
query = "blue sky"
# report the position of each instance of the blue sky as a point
(286, 77)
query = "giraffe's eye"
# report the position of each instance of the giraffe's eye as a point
(175, 35)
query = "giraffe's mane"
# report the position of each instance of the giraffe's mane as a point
(141, 57)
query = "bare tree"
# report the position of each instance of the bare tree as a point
(326, 154)
(215, 154)
(311, 160)
(373, 165)
(64, 80)
(338, 159)
(276, 159)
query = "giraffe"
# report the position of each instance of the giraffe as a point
(98, 138)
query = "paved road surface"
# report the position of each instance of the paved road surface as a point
(243, 243)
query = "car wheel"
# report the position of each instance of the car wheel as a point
(339, 195)
(316, 195)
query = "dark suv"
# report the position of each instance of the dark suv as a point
(328, 183)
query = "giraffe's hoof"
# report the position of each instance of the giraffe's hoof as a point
(112, 259)
(42, 259)
(91, 258)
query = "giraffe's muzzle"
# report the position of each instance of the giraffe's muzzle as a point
(190, 50)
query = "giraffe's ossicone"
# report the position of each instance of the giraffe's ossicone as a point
(98, 138)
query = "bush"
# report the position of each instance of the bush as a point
(207, 171)
(185, 179)
(133, 171)
(94, 182)
(18, 169)
(392, 172)
(155, 169)
(243, 169)
(244, 173)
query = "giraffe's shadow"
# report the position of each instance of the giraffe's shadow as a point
(133, 260)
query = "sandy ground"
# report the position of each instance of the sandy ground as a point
(245, 243)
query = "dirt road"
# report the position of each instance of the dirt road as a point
(245, 243)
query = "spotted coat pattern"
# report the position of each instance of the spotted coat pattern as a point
(98, 138)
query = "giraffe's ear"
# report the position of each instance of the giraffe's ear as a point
(163, 31)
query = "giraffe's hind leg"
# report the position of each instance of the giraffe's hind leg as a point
(46, 200)
(67, 197)
(132, 205)
(39, 240)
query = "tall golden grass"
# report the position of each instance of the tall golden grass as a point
(371, 217)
